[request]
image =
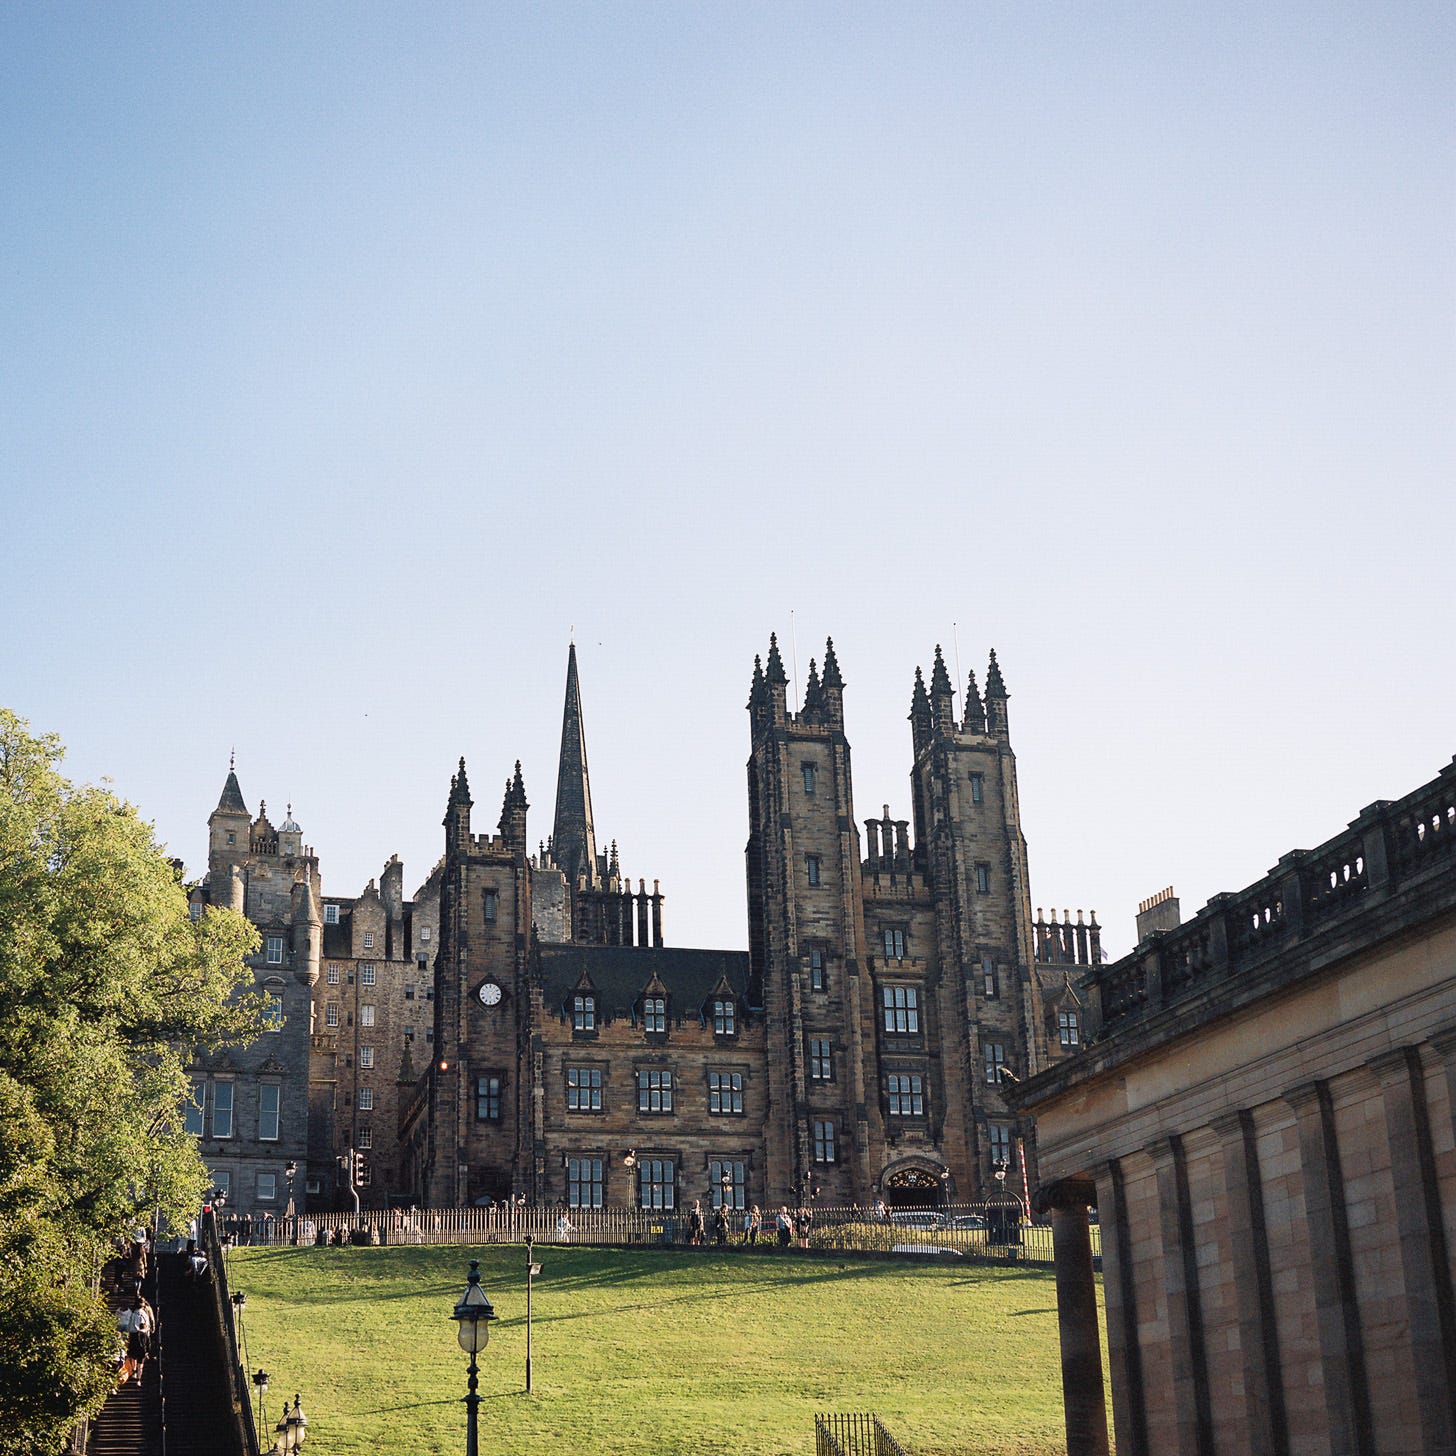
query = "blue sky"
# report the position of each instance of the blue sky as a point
(351, 356)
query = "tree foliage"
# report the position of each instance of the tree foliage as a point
(107, 986)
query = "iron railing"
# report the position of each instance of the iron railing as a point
(857, 1433)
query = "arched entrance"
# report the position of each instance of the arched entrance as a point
(913, 1185)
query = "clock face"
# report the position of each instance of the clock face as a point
(489, 994)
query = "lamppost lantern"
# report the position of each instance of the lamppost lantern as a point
(298, 1422)
(281, 1437)
(472, 1316)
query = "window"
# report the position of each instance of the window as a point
(409, 1033)
(268, 1099)
(232, 838)
(192, 1108)
(584, 1013)
(816, 969)
(366, 1137)
(267, 1187)
(366, 1016)
(409, 991)
(222, 1110)
(983, 879)
(584, 1183)
(1000, 1136)
(724, 1023)
(811, 774)
(492, 902)
(424, 935)
(366, 1056)
(734, 1174)
(331, 914)
(813, 867)
(902, 1008)
(978, 788)
(366, 974)
(368, 940)
(654, 1013)
(488, 1099)
(656, 1180)
(274, 944)
(907, 1096)
(366, 1099)
(821, 1060)
(583, 1089)
(725, 1092)
(1069, 1029)
(895, 942)
(331, 1014)
(429, 1033)
(222, 1180)
(333, 975)
(195, 909)
(989, 982)
(654, 1090)
(824, 1142)
(995, 1055)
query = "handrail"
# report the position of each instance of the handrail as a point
(245, 1432)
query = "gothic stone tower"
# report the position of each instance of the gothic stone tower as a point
(897, 987)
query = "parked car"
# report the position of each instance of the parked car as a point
(967, 1221)
(917, 1218)
(925, 1249)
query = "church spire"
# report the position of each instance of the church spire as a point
(573, 836)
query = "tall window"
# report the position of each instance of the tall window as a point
(488, 1099)
(273, 1011)
(978, 788)
(583, 1089)
(331, 1014)
(268, 1098)
(907, 1096)
(267, 1187)
(813, 867)
(492, 901)
(584, 1182)
(824, 1142)
(724, 1023)
(821, 1059)
(1069, 1029)
(816, 968)
(274, 945)
(192, 1108)
(366, 1137)
(983, 879)
(366, 1016)
(583, 1013)
(901, 1006)
(366, 974)
(331, 914)
(736, 1174)
(654, 1013)
(811, 778)
(989, 983)
(656, 1183)
(222, 1109)
(366, 1056)
(1000, 1138)
(368, 940)
(366, 1099)
(894, 942)
(654, 1090)
(725, 1092)
(995, 1056)
(333, 975)
(424, 935)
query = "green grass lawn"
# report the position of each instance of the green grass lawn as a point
(654, 1352)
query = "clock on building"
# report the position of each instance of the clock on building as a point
(490, 993)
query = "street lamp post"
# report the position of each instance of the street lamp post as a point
(472, 1315)
(261, 1381)
(532, 1270)
(629, 1162)
(290, 1172)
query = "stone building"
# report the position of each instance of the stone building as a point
(249, 1105)
(861, 1047)
(1263, 1117)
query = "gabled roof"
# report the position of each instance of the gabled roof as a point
(620, 974)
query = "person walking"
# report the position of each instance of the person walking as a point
(720, 1224)
(752, 1222)
(696, 1226)
(784, 1225)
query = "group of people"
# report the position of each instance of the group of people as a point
(786, 1225)
(136, 1321)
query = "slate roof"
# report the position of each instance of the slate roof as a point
(232, 797)
(619, 973)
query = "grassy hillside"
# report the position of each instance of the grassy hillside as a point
(722, 1352)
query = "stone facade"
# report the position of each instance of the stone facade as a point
(1264, 1120)
(250, 1104)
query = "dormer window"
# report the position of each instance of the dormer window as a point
(331, 914)
(654, 1013)
(1069, 1029)
(724, 1018)
(583, 1013)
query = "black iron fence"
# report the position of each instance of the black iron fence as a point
(858, 1433)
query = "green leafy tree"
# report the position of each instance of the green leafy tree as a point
(107, 986)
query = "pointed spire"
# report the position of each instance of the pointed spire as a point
(995, 688)
(573, 833)
(758, 693)
(515, 792)
(231, 801)
(939, 678)
(832, 678)
(775, 674)
(460, 787)
(811, 689)
(975, 710)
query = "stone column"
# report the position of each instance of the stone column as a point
(1124, 1354)
(1083, 1400)
(1425, 1267)
(1337, 1311)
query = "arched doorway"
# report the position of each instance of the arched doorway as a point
(913, 1185)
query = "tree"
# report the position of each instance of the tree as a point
(107, 986)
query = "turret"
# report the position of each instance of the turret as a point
(975, 710)
(758, 705)
(391, 889)
(227, 829)
(812, 691)
(832, 684)
(921, 717)
(513, 815)
(457, 811)
(290, 837)
(942, 695)
(777, 681)
(308, 927)
(996, 700)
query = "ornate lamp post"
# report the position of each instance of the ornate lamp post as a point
(473, 1314)
(261, 1381)
(290, 1172)
(532, 1270)
(292, 1429)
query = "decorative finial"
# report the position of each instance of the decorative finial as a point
(232, 759)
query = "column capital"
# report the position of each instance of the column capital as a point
(1304, 1096)
(1066, 1195)
(1392, 1066)
(1444, 1041)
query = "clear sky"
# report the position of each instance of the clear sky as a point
(350, 356)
